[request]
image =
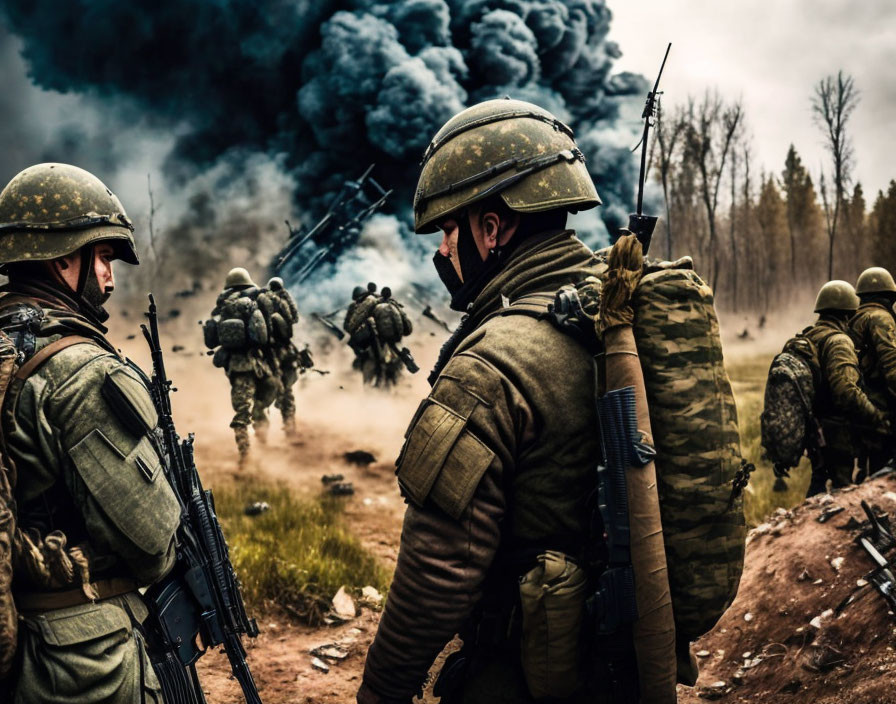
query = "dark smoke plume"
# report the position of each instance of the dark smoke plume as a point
(328, 87)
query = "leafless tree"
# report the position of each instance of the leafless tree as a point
(668, 132)
(710, 136)
(832, 104)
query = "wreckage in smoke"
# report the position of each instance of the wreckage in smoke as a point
(200, 599)
(335, 232)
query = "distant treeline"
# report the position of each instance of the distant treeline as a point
(758, 238)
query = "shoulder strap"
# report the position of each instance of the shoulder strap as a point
(44, 353)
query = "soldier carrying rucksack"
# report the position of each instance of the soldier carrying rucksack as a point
(376, 325)
(505, 540)
(239, 332)
(814, 400)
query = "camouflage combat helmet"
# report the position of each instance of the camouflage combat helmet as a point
(504, 146)
(836, 295)
(875, 280)
(358, 292)
(51, 210)
(238, 277)
(275, 284)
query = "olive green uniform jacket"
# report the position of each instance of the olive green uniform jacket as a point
(840, 402)
(499, 458)
(873, 329)
(85, 473)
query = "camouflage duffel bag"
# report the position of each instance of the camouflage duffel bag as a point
(695, 431)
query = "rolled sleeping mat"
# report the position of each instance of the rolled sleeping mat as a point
(654, 629)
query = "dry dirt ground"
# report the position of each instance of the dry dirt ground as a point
(788, 581)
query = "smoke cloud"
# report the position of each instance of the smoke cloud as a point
(319, 88)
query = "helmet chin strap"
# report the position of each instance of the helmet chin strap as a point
(86, 270)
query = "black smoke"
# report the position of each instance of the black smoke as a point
(327, 87)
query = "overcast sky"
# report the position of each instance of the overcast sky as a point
(771, 55)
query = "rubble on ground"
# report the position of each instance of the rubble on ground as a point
(808, 624)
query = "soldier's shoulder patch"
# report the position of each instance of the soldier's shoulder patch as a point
(127, 395)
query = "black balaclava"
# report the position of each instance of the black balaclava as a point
(477, 272)
(89, 294)
(885, 298)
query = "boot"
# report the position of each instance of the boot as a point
(241, 433)
(261, 430)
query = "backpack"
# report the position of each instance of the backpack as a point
(390, 322)
(238, 322)
(787, 424)
(695, 432)
(694, 420)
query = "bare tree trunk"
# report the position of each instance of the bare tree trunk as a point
(832, 105)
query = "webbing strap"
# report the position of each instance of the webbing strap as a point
(44, 353)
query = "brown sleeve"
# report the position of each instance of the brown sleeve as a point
(841, 366)
(460, 443)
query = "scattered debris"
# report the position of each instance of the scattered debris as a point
(748, 617)
(178, 348)
(820, 657)
(716, 690)
(702, 653)
(319, 664)
(342, 489)
(331, 478)
(256, 508)
(343, 605)
(371, 596)
(837, 563)
(331, 652)
(828, 513)
(362, 458)
(804, 576)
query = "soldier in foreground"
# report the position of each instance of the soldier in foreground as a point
(841, 407)
(96, 515)
(284, 314)
(873, 329)
(499, 459)
(240, 327)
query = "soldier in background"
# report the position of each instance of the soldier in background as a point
(284, 314)
(842, 408)
(96, 514)
(390, 325)
(873, 329)
(246, 355)
(355, 324)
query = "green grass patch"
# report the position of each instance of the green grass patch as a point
(297, 554)
(748, 381)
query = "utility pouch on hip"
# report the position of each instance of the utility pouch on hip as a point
(552, 596)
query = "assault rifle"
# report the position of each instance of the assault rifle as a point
(639, 224)
(199, 604)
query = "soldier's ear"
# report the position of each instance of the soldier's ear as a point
(491, 229)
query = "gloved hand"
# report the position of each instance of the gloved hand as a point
(625, 267)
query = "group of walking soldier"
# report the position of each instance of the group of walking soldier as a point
(853, 352)
(251, 330)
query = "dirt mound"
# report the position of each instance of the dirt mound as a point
(784, 639)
